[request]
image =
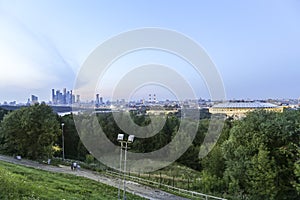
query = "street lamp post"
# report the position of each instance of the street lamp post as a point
(63, 141)
(124, 181)
(122, 141)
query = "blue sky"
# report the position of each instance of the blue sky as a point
(254, 44)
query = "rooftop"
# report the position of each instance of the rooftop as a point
(245, 105)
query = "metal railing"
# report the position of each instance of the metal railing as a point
(168, 187)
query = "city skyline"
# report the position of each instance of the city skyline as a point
(255, 45)
(63, 96)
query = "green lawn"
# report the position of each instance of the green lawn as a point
(18, 182)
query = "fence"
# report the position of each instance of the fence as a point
(165, 186)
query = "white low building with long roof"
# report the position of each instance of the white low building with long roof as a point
(239, 109)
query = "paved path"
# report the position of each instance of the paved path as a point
(132, 187)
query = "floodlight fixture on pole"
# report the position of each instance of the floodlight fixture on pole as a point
(124, 144)
(120, 137)
(130, 138)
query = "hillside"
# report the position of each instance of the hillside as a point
(19, 182)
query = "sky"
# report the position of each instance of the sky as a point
(255, 45)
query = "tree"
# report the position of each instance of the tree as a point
(3, 112)
(260, 155)
(214, 162)
(297, 173)
(29, 132)
(71, 137)
(261, 175)
(296, 183)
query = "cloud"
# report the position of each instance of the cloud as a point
(29, 59)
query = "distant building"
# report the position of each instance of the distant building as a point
(53, 96)
(239, 109)
(12, 103)
(160, 110)
(34, 99)
(65, 97)
(99, 101)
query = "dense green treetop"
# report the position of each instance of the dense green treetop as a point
(29, 132)
(260, 159)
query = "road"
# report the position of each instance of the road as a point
(132, 187)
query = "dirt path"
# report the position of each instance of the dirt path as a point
(132, 187)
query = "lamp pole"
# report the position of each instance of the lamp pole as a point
(122, 141)
(125, 157)
(63, 141)
(120, 170)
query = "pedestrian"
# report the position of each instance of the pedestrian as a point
(75, 165)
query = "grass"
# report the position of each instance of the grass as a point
(19, 182)
(176, 175)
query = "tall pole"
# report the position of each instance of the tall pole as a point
(63, 141)
(120, 171)
(125, 157)
(130, 139)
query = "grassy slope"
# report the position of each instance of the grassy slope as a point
(18, 182)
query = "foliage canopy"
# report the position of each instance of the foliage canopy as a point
(29, 132)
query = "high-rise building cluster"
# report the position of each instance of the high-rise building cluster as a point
(33, 100)
(99, 101)
(64, 97)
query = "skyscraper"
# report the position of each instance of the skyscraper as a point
(34, 99)
(97, 103)
(64, 97)
(53, 96)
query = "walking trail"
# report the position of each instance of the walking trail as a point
(131, 187)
